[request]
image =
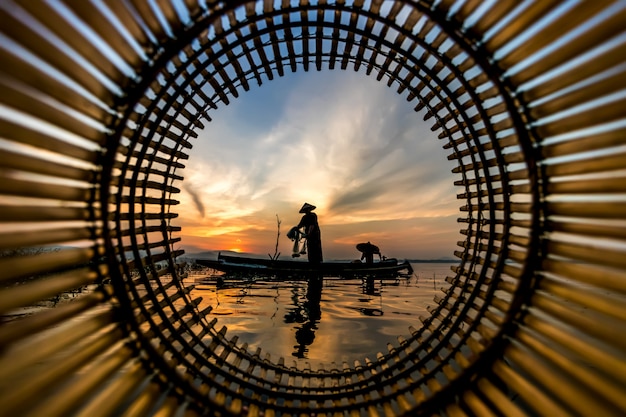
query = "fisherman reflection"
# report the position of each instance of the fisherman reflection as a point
(369, 288)
(308, 313)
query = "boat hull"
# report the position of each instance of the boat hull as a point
(259, 266)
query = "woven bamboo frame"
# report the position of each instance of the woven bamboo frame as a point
(100, 106)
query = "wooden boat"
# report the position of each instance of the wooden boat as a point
(345, 269)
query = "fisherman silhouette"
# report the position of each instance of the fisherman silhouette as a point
(312, 233)
(369, 250)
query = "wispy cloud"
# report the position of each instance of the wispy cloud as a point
(197, 200)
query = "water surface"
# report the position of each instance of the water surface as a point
(330, 321)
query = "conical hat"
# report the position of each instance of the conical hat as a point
(306, 207)
(367, 248)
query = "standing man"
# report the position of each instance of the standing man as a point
(312, 233)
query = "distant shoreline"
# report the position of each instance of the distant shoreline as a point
(433, 261)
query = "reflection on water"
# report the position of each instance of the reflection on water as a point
(322, 320)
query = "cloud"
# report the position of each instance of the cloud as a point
(194, 197)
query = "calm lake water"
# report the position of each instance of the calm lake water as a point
(333, 321)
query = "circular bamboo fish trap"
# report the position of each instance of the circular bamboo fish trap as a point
(100, 105)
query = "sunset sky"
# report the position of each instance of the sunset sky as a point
(339, 140)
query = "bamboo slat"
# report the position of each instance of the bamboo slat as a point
(51, 52)
(49, 84)
(587, 165)
(580, 373)
(15, 330)
(44, 381)
(24, 188)
(72, 36)
(28, 354)
(26, 294)
(598, 275)
(44, 237)
(609, 330)
(19, 161)
(42, 140)
(596, 355)
(565, 390)
(18, 214)
(610, 26)
(18, 99)
(29, 266)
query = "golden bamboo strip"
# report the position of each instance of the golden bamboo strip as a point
(605, 112)
(109, 32)
(600, 164)
(36, 189)
(150, 20)
(19, 399)
(30, 266)
(17, 98)
(492, 16)
(583, 94)
(52, 53)
(588, 229)
(477, 406)
(97, 371)
(596, 354)
(169, 12)
(575, 369)
(609, 330)
(49, 214)
(48, 84)
(537, 398)
(557, 385)
(69, 34)
(610, 185)
(30, 352)
(33, 291)
(588, 209)
(145, 401)
(597, 275)
(15, 330)
(604, 30)
(43, 140)
(26, 238)
(590, 142)
(168, 408)
(522, 22)
(561, 23)
(130, 24)
(455, 410)
(608, 56)
(588, 253)
(109, 399)
(39, 165)
(500, 399)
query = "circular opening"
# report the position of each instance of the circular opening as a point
(376, 173)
